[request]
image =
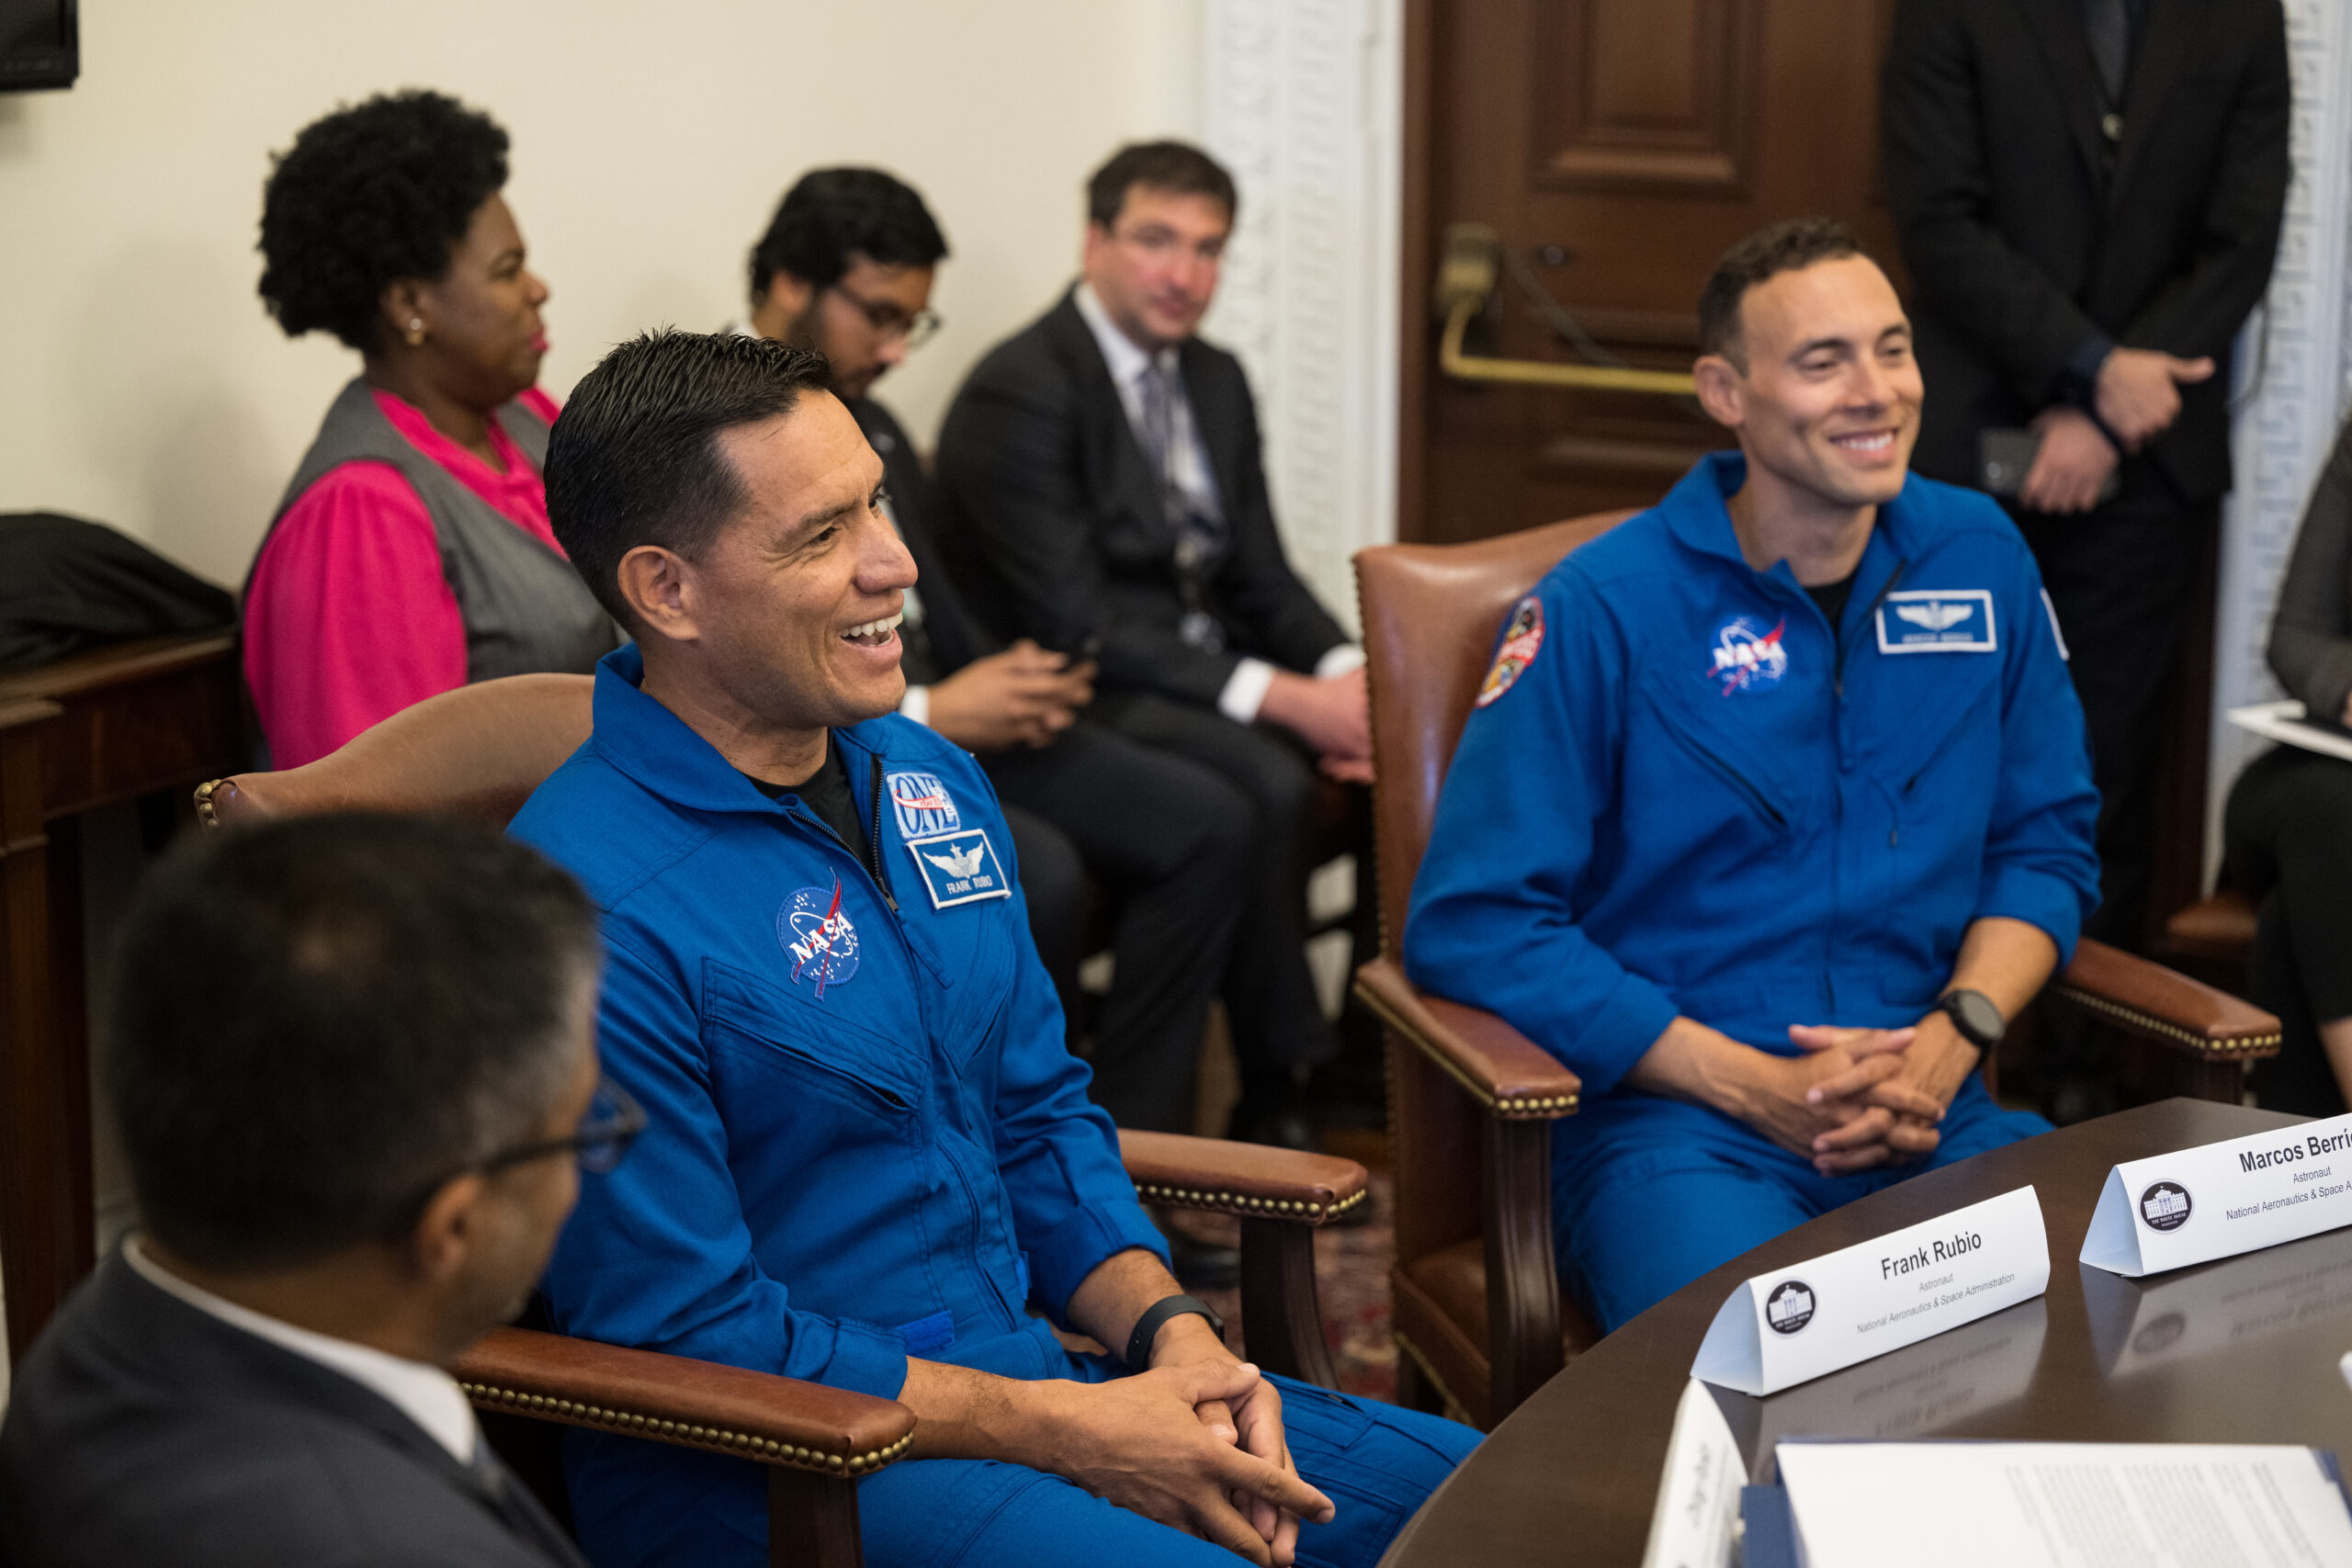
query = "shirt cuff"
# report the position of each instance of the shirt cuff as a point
(1620, 1031)
(916, 705)
(868, 1359)
(1087, 1238)
(1245, 690)
(2039, 898)
(1343, 660)
(2079, 385)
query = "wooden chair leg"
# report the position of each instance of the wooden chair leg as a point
(1282, 1313)
(1522, 1279)
(812, 1520)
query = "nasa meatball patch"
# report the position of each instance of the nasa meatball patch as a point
(1522, 639)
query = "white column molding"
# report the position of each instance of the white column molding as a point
(2294, 370)
(1303, 100)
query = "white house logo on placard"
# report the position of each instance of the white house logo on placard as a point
(2164, 1206)
(1790, 1306)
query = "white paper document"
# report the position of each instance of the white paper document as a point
(2063, 1506)
(1795, 1325)
(2169, 1211)
(1695, 1523)
(2285, 721)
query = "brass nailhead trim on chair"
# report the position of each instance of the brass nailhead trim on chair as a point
(767, 1451)
(204, 812)
(1522, 1107)
(2148, 1024)
(1247, 1206)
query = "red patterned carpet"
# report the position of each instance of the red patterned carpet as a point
(1351, 1276)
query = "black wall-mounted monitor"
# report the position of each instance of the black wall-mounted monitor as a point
(40, 44)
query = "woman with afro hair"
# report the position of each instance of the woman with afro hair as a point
(412, 553)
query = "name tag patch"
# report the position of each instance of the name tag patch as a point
(923, 805)
(1932, 620)
(959, 868)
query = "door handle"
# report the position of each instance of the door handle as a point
(1465, 280)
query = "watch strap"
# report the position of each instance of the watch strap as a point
(1148, 1326)
(1952, 1006)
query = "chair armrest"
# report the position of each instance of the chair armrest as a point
(1510, 1075)
(2165, 1006)
(1249, 1180)
(695, 1405)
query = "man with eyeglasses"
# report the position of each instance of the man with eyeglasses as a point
(846, 268)
(353, 1062)
(1104, 469)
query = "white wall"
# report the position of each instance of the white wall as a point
(142, 383)
(2294, 368)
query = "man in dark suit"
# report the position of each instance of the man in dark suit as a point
(1105, 472)
(2088, 194)
(353, 1059)
(846, 266)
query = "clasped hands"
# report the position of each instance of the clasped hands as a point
(1857, 1098)
(1195, 1442)
(2137, 396)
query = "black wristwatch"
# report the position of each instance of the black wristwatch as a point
(1148, 1326)
(1973, 1013)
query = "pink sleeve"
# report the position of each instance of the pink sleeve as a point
(349, 618)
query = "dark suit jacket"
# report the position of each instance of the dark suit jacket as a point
(143, 1431)
(1058, 530)
(2022, 245)
(952, 634)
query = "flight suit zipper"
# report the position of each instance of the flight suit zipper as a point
(881, 872)
(1838, 681)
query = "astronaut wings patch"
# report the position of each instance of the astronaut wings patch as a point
(1522, 639)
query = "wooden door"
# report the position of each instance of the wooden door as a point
(1619, 146)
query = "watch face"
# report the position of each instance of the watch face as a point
(1977, 1017)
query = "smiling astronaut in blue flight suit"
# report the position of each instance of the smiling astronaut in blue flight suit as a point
(1773, 807)
(869, 1160)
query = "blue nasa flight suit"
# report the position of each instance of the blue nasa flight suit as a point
(866, 1141)
(1695, 797)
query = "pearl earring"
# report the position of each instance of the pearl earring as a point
(415, 331)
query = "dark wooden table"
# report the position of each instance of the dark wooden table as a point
(140, 719)
(2240, 1351)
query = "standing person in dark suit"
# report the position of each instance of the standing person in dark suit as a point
(2088, 194)
(354, 1063)
(846, 268)
(1104, 470)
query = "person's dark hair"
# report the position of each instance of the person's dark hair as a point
(313, 1022)
(1790, 246)
(635, 457)
(831, 215)
(1177, 166)
(374, 192)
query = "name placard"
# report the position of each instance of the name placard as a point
(1695, 1523)
(1795, 1325)
(2218, 1199)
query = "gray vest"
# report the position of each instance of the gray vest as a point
(525, 608)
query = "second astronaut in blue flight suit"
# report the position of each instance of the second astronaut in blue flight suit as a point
(1758, 780)
(870, 1161)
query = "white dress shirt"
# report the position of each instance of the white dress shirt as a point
(1245, 690)
(424, 1392)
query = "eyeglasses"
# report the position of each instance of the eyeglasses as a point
(612, 1124)
(890, 322)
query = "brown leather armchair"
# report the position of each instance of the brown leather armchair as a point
(1480, 1320)
(480, 751)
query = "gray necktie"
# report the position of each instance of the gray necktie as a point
(1196, 536)
(2110, 32)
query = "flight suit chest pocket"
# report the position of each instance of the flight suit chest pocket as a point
(1732, 751)
(829, 1055)
(974, 948)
